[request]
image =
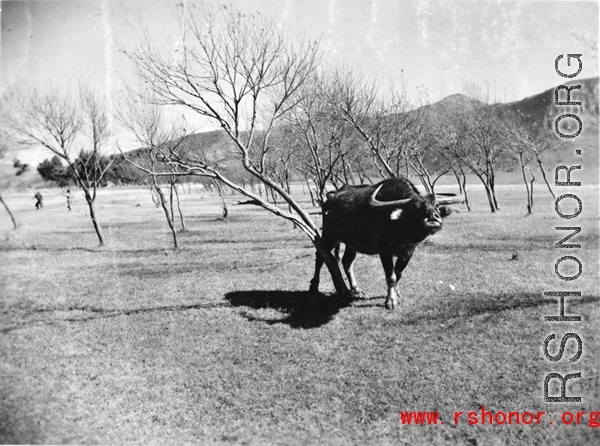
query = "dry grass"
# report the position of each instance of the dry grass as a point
(219, 343)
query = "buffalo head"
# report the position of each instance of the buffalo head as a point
(422, 215)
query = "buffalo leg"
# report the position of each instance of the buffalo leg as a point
(399, 268)
(348, 262)
(336, 252)
(391, 300)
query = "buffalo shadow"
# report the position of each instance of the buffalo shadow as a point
(302, 309)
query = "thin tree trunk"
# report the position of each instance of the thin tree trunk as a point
(490, 195)
(288, 186)
(457, 178)
(524, 174)
(183, 228)
(290, 210)
(312, 199)
(464, 188)
(492, 184)
(273, 197)
(14, 222)
(163, 202)
(531, 188)
(493, 190)
(492, 200)
(97, 226)
(334, 269)
(424, 182)
(171, 209)
(526, 185)
(425, 177)
(153, 194)
(539, 160)
(224, 204)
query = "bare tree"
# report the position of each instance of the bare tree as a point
(321, 143)
(283, 163)
(520, 136)
(242, 73)
(535, 134)
(425, 157)
(90, 172)
(62, 123)
(521, 148)
(474, 138)
(174, 199)
(443, 129)
(384, 119)
(459, 174)
(158, 139)
(3, 154)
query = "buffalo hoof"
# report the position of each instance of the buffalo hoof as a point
(390, 304)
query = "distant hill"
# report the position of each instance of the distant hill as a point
(542, 105)
(451, 103)
(538, 106)
(218, 148)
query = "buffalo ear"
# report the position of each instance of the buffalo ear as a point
(445, 211)
(396, 214)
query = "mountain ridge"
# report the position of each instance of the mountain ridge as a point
(218, 148)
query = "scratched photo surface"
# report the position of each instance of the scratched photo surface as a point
(299, 222)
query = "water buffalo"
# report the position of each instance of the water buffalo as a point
(389, 218)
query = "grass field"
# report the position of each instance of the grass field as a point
(219, 343)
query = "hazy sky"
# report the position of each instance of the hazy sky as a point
(438, 45)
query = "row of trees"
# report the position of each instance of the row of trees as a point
(346, 130)
(116, 170)
(283, 111)
(319, 144)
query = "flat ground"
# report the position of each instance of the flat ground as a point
(219, 343)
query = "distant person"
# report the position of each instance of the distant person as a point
(39, 204)
(70, 199)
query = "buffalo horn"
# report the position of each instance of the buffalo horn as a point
(374, 202)
(448, 198)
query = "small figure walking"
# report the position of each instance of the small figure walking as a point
(39, 204)
(70, 199)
